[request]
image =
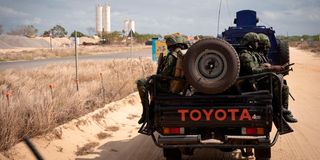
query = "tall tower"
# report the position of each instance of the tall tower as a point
(99, 19)
(103, 23)
(106, 26)
(128, 26)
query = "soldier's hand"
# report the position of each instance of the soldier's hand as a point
(277, 68)
(267, 65)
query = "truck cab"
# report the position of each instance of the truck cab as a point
(246, 21)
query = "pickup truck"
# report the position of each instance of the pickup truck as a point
(217, 109)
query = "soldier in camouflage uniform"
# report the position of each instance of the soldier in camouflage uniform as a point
(171, 66)
(264, 45)
(253, 62)
(172, 63)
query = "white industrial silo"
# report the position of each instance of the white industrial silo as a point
(132, 26)
(106, 18)
(98, 19)
(128, 26)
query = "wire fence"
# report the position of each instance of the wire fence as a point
(35, 101)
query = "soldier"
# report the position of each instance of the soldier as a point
(172, 63)
(252, 62)
(264, 45)
(171, 66)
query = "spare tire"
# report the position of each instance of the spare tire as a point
(284, 56)
(211, 65)
(283, 49)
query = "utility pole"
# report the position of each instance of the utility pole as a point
(219, 19)
(76, 58)
(50, 35)
(131, 39)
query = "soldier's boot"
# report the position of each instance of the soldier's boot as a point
(287, 114)
(289, 118)
(145, 104)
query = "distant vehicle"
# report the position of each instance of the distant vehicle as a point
(148, 43)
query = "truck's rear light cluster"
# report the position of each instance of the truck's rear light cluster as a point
(252, 131)
(179, 130)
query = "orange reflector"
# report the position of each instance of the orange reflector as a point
(166, 130)
(260, 131)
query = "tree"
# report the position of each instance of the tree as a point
(30, 31)
(46, 34)
(58, 31)
(24, 30)
(79, 34)
(142, 38)
(1, 29)
(112, 37)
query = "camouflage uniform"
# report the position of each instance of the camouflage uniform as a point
(253, 62)
(171, 66)
(264, 44)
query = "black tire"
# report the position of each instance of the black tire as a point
(172, 153)
(262, 153)
(211, 65)
(284, 55)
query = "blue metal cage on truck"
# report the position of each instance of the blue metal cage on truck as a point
(246, 21)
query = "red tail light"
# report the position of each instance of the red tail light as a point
(252, 131)
(173, 130)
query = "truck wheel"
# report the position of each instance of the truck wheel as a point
(262, 153)
(211, 65)
(283, 49)
(172, 153)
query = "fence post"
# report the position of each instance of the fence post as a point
(102, 89)
(76, 58)
(51, 91)
(8, 94)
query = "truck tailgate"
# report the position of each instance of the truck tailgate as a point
(213, 111)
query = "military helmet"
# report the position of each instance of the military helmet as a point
(176, 39)
(264, 41)
(249, 38)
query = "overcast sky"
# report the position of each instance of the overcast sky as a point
(191, 17)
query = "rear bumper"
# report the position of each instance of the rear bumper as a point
(194, 141)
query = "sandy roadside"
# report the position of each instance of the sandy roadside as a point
(120, 120)
(117, 120)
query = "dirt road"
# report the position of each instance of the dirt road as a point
(44, 62)
(126, 144)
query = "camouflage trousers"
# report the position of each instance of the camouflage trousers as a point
(143, 90)
(280, 87)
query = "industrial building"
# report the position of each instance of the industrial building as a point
(103, 22)
(128, 26)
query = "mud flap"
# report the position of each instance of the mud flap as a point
(281, 124)
(145, 129)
